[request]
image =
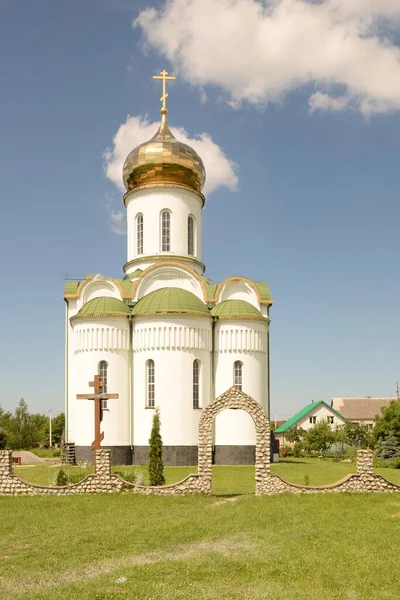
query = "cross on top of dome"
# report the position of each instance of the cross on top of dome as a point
(164, 78)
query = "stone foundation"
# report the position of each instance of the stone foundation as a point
(234, 455)
(173, 456)
(120, 455)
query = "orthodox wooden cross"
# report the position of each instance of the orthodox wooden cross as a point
(98, 396)
(164, 77)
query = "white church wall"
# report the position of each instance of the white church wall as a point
(92, 341)
(163, 277)
(173, 345)
(244, 341)
(150, 203)
(239, 290)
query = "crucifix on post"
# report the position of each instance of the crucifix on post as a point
(98, 396)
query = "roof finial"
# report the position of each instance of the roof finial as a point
(164, 77)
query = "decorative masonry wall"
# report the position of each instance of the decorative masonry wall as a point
(103, 481)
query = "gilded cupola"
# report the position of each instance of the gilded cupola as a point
(163, 159)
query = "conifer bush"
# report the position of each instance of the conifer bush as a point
(62, 478)
(156, 465)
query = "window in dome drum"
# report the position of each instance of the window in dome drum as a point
(190, 235)
(165, 231)
(139, 234)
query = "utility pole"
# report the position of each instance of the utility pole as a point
(50, 436)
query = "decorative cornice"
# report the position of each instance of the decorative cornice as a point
(177, 265)
(147, 186)
(264, 320)
(88, 278)
(171, 314)
(161, 258)
(99, 316)
(244, 280)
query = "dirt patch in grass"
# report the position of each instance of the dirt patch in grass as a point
(225, 547)
(397, 515)
(226, 500)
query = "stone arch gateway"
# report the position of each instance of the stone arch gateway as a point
(234, 399)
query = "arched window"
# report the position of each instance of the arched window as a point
(196, 384)
(151, 391)
(165, 231)
(103, 366)
(238, 374)
(139, 234)
(191, 236)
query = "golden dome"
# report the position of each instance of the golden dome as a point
(163, 160)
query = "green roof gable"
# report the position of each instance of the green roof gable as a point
(103, 307)
(303, 413)
(170, 301)
(236, 309)
(265, 294)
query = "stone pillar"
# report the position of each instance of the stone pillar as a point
(103, 463)
(364, 462)
(6, 467)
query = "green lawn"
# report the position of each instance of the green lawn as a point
(327, 547)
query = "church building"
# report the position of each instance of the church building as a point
(164, 335)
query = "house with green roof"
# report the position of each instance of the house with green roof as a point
(307, 417)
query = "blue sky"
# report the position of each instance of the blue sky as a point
(315, 212)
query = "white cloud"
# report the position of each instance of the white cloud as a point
(118, 222)
(259, 51)
(220, 170)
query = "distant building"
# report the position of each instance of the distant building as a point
(309, 416)
(360, 410)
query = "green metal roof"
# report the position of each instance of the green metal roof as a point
(103, 307)
(265, 294)
(303, 413)
(236, 309)
(170, 300)
(211, 288)
(70, 287)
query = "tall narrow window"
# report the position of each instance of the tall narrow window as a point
(103, 366)
(165, 231)
(191, 236)
(151, 391)
(238, 374)
(196, 384)
(139, 234)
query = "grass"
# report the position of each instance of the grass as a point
(327, 547)
(46, 452)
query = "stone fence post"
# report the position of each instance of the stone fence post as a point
(6, 467)
(365, 462)
(103, 463)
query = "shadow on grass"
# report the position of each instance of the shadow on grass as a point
(291, 462)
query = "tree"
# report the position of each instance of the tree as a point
(3, 439)
(295, 434)
(355, 434)
(20, 430)
(58, 425)
(388, 448)
(389, 423)
(156, 466)
(319, 438)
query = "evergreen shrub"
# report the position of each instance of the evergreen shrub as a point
(62, 478)
(156, 465)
